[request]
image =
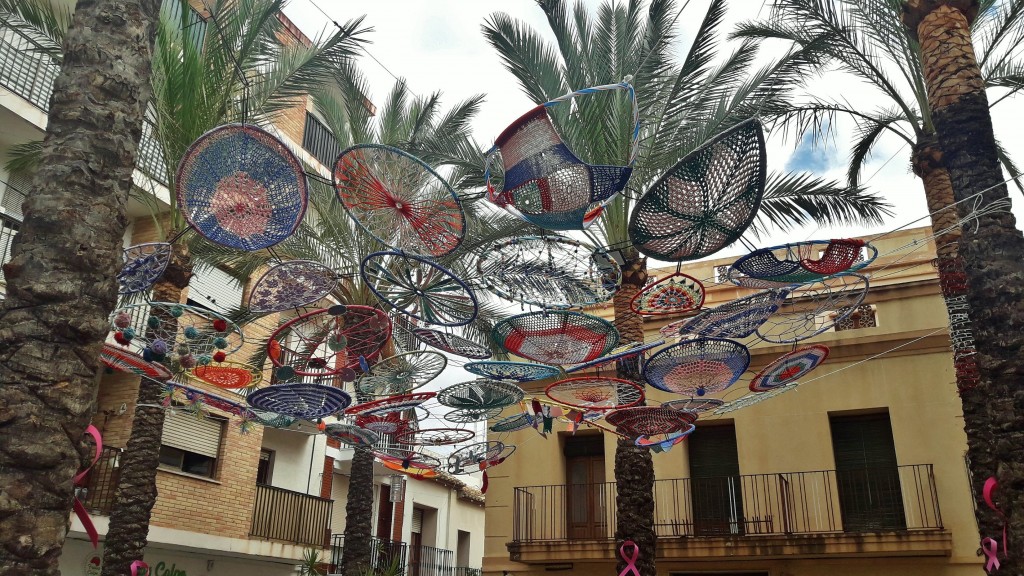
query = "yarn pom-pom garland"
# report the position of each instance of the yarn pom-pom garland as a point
(738, 318)
(144, 264)
(596, 393)
(556, 337)
(290, 285)
(789, 368)
(303, 345)
(815, 308)
(511, 371)
(801, 263)
(480, 395)
(697, 367)
(674, 294)
(402, 373)
(122, 360)
(649, 421)
(160, 329)
(352, 435)
(452, 343)
(231, 375)
(419, 288)
(240, 187)
(301, 400)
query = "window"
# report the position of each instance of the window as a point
(191, 445)
(715, 481)
(265, 469)
(862, 317)
(867, 476)
(320, 142)
(214, 289)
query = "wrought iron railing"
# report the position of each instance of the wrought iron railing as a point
(467, 571)
(892, 499)
(383, 554)
(430, 561)
(97, 489)
(320, 142)
(8, 230)
(25, 69)
(280, 514)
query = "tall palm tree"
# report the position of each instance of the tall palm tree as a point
(866, 39)
(60, 281)
(682, 106)
(991, 251)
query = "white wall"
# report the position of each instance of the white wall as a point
(452, 515)
(77, 554)
(292, 451)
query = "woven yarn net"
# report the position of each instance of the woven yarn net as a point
(389, 424)
(801, 263)
(452, 343)
(231, 375)
(480, 395)
(596, 393)
(391, 404)
(144, 264)
(306, 401)
(240, 187)
(649, 421)
(273, 420)
(697, 367)
(402, 374)
(545, 183)
(399, 200)
(738, 318)
(789, 368)
(435, 436)
(663, 442)
(694, 405)
(475, 457)
(181, 335)
(419, 288)
(674, 294)
(511, 371)
(754, 398)
(815, 308)
(512, 423)
(550, 272)
(325, 342)
(352, 435)
(409, 459)
(706, 201)
(628, 357)
(290, 285)
(556, 337)
(464, 416)
(124, 361)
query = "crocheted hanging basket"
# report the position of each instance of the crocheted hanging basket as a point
(419, 288)
(512, 423)
(549, 271)
(177, 334)
(694, 405)
(674, 294)
(435, 436)
(789, 368)
(306, 401)
(389, 424)
(326, 342)
(697, 367)
(511, 371)
(352, 435)
(290, 285)
(464, 416)
(596, 393)
(391, 404)
(556, 337)
(402, 373)
(632, 352)
(754, 398)
(475, 457)
(814, 309)
(801, 263)
(399, 200)
(452, 343)
(706, 201)
(231, 375)
(649, 421)
(738, 318)
(124, 361)
(544, 182)
(240, 187)
(480, 395)
(144, 264)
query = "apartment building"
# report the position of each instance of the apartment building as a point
(232, 500)
(860, 470)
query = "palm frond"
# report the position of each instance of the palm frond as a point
(792, 200)
(45, 23)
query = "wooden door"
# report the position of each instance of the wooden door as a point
(715, 481)
(586, 501)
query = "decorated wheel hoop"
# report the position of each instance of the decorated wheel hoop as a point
(706, 201)
(240, 187)
(399, 200)
(327, 342)
(402, 373)
(801, 262)
(697, 367)
(753, 398)
(389, 424)
(419, 288)
(144, 264)
(674, 294)
(290, 285)
(181, 335)
(663, 442)
(391, 404)
(122, 360)
(452, 343)
(695, 405)
(352, 435)
(649, 420)
(556, 337)
(231, 375)
(789, 368)
(551, 272)
(408, 459)
(596, 393)
(435, 436)
(306, 401)
(632, 350)
(814, 309)
(738, 318)
(511, 371)
(273, 420)
(512, 423)
(480, 394)
(464, 416)
(475, 457)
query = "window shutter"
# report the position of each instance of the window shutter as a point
(417, 521)
(713, 453)
(863, 442)
(186, 432)
(215, 289)
(14, 195)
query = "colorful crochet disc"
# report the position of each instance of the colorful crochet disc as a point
(407, 459)
(391, 404)
(399, 200)
(435, 436)
(352, 435)
(306, 401)
(629, 351)
(512, 423)
(480, 395)
(402, 373)
(241, 187)
(144, 264)
(475, 457)
(663, 442)
(511, 371)
(452, 343)
(695, 405)
(463, 416)
(550, 272)
(706, 201)
(419, 288)
(125, 361)
(801, 263)
(556, 337)
(326, 342)
(754, 398)
(387, 424)
(815, 308)
(596, 393)
(229, 375)
(697, 367)
(789, 368)
(673, 294)
(649, 421)
(291, 285)
(736, 319)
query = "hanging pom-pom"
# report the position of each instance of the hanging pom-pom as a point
(204, 359)
(274, 349)
(321, 425)
(187, 361)
(284, 373)
(148, 355)
(219, 357)
(153, 322)
(120, 339)
(177, 311)
(363, 364)
(220, 343)
(159, 347)
(220, 325)
(191, 333)
(123, 320)
(483, 487)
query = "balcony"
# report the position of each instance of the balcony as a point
(98, 487)
(280, 514)
(871, 511)
(383, 553)
(430, 561)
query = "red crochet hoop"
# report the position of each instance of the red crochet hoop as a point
(391, 404)
(650, 420)
(596, 393)
(329, 340)
(231, 375)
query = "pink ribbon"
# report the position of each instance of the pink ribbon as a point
(629, 559)
(989, 546)
(80, 511)
(140, 565)
(991, 549)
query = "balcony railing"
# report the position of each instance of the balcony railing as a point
(467, 571)
(383, 553)
(8, 230)
(98, 487)
(893, 499)
(430, 561)
(25, 69)
(281, 514)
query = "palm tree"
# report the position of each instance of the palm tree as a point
(61, 285)
(683, 106)
(866, 38)
(991, 251)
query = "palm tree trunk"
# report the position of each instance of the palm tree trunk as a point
(634, 469)
(128, 531)
(355, 558)
(991, 249)
(60, 281)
